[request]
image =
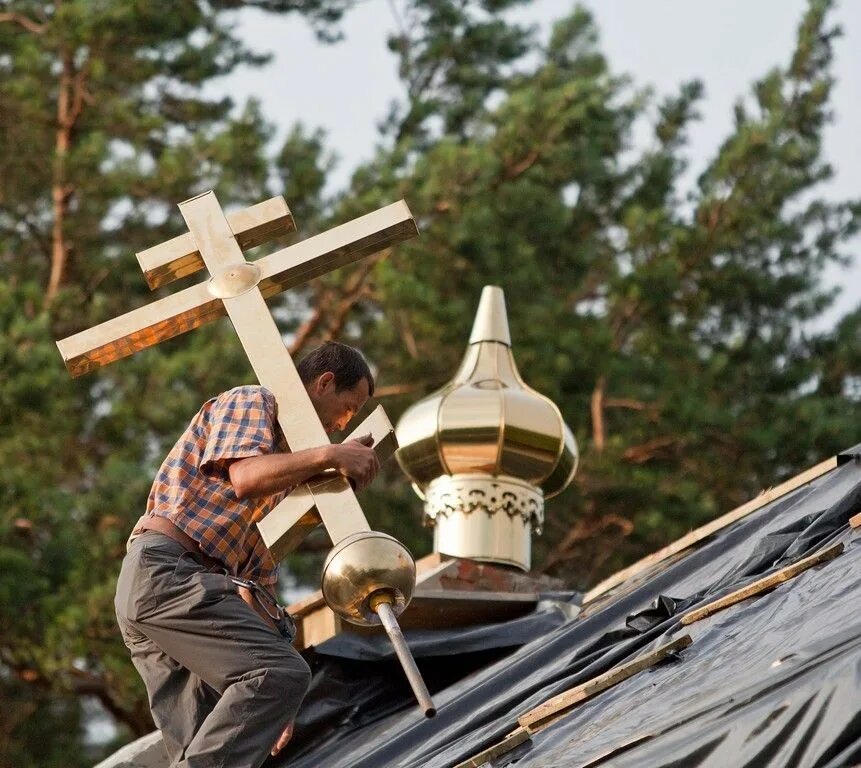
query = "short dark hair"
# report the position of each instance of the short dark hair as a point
(344, 361)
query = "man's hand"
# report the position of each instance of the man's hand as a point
(283, 739)
(356, 460)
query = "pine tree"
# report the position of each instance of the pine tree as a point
(104, 129)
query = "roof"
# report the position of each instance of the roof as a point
(773, 680)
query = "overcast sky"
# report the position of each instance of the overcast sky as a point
(346, 88)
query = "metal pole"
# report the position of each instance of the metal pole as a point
(393, 630)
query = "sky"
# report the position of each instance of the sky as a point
(346, 88)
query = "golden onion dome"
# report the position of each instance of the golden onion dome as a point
(486, 441)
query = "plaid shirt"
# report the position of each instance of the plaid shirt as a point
(192, 488)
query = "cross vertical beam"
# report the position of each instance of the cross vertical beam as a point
(336, 503)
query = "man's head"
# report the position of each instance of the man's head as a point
(338, 381)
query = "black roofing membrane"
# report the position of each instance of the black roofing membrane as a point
(772, 681)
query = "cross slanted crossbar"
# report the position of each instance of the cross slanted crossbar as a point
(236, 288)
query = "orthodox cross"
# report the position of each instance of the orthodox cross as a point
(238, 289)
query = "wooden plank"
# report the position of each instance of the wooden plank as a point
(141, 328)
(306, 605)
(558, 705)
(514, 739)
(431, 609)
(425, 611)
(855, 520)
(316, 628)
(711, 528)
(430, 564)
(337, 247)
(762, 585)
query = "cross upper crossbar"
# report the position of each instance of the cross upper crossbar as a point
(252, 226)
(195, 306)
(239, 289)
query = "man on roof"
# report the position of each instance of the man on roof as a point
(196, 600)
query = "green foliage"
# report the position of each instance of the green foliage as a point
(452, 56)
(673, 327)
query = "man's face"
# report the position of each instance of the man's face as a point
(335, 408)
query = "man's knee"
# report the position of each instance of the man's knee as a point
(289, 674)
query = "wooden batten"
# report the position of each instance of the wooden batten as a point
(514, 739)
(711, 528)
(316, 622)
(546, 714)
(762, 585)
(552, 709)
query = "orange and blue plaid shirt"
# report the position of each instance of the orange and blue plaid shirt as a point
(192, 488)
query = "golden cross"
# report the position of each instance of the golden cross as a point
(239, 289)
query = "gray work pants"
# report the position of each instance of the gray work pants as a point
(222, 684)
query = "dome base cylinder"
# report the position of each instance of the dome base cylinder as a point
(489, 519)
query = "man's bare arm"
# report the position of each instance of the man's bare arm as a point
(264, 475)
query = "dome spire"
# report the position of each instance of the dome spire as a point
(491, 319)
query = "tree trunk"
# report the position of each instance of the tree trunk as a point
(71, 96)
(60, 191)
(598, 436)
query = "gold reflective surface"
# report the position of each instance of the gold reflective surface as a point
(566, 467)
(491, 319)
(487, 419)
(486, 426)
(363, 566)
